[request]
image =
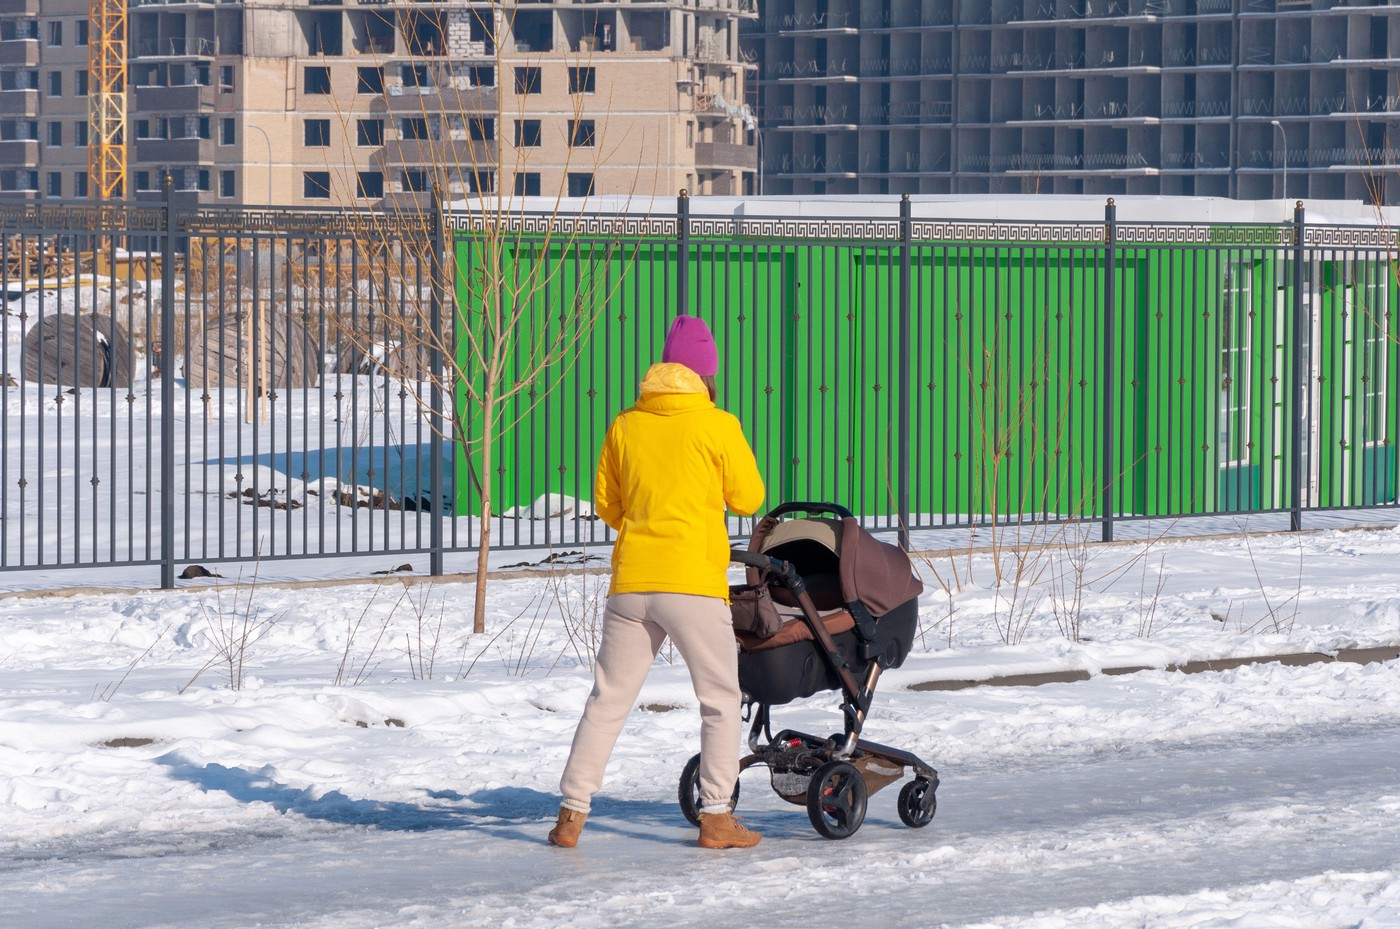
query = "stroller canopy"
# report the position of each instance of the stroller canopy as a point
(876, 573)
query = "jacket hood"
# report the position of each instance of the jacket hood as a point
(670, 388)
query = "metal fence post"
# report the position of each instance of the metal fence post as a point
(1108, 334)
(167, 390)
(906, 277)
(683, 259)
(437, 292)
(1301, 369)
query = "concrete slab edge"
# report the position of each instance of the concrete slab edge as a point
(1294, 660)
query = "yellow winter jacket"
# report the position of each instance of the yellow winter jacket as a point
(670, 465)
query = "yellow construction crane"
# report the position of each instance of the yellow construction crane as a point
(107, 98)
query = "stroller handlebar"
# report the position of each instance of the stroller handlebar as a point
(757, 560)
(835, 509)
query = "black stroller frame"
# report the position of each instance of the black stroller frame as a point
(833, 776)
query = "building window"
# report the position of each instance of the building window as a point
(581, 133)
(81, 38)
(143, 180)
(369, 185)
(80, 134)
(415, 180)
(55, 37)
(527, 133)
(317, 133)
(19, 80)
(316, 185)
(369, 132)
(227, 131)
(80, 185)
(317, 79)
(370, 81)
(55, 83)
(14, 29)
(18, 180)
(414, 75)
(226, 79)
(580, 184)
(80, 88)
(527, 184)
(17, 130)
(413, 127)
(202, 179)
(582, 80)
(55, 134)
(1365, 292)
(482, 129)
(55, 184)
(226, 184)
(1236, 369)
(482, 76)
(527, 80)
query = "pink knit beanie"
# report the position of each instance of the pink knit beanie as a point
(689, 343)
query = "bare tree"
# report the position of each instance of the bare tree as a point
(496, 321)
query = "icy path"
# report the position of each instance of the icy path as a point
(1031, 835)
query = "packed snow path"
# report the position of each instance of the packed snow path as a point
(1011, 838)
(344, 783)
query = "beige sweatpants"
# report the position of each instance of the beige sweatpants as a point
(634, 628)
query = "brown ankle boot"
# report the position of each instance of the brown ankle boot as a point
(567, 827)
(723, 830)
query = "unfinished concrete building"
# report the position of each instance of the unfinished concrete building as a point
(1242, 98)
(307, 102)
(43, 99)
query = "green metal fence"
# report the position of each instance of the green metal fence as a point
(934, 373)
(189, 384)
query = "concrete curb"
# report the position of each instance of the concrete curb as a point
(406, 579)
(469, 577)
(1294, 660)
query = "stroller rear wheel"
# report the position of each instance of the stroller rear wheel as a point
(911, 804)
(688, 792)
(836, 800)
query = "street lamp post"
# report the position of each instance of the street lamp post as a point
(269, 159)
(1279, 126)
(758, 134)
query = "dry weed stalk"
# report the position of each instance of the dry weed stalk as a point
(347, 659)
(422, 641)
(233, 632)
(1277, 617)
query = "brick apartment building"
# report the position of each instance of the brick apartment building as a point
(306, 102)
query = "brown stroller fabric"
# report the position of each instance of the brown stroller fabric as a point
(876, 573)
(836, 622)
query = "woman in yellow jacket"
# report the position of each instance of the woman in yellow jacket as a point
(670, 466)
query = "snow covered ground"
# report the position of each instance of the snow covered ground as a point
(345, 757)
(352, 757)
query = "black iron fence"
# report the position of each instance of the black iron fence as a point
(214, 384)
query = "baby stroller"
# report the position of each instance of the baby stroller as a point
(826, 606)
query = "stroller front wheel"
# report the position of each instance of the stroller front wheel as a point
(911, 804)
(688, 792)
(836, 800)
